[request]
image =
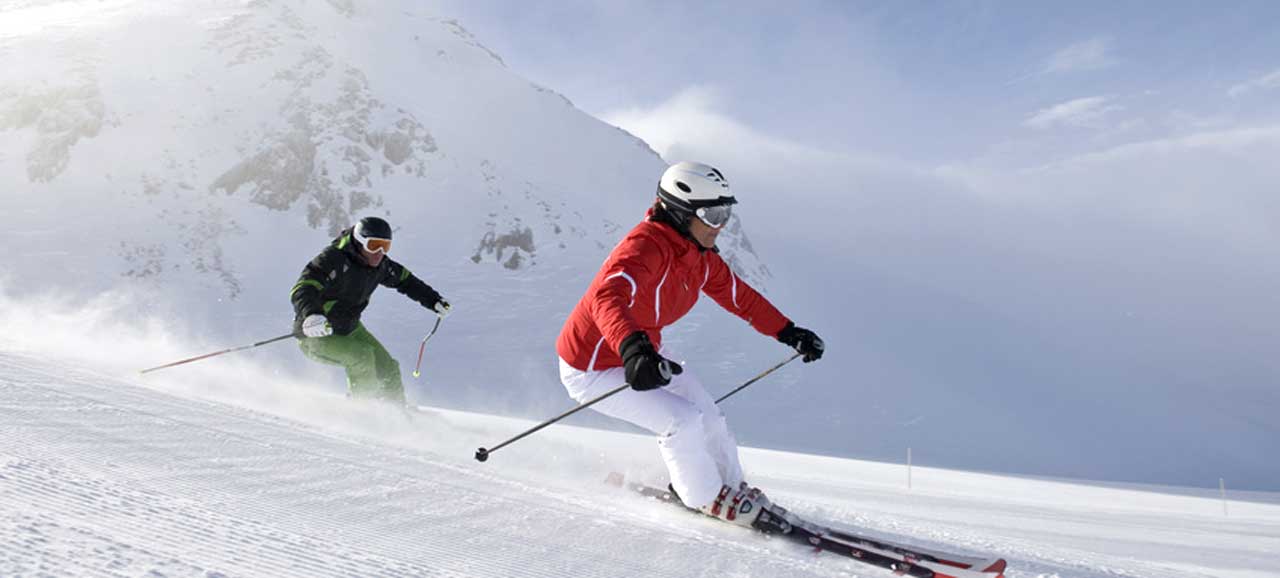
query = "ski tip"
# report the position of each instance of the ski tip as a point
(996, 567)
(482, 455)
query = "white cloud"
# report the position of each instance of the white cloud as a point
(691, 126)
(1092, 54)
(1235, 142)
(692, 119)
(1205, 181)
(1081, 112)
(1265, 82)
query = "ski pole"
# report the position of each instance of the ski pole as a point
(217, 353)
(423, 347)
(483, 454)
(758, 377)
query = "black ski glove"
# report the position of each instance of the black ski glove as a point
(342, 326)
(645, 369)
(802, 340)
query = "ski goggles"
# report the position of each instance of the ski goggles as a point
(715, 216)
(374, 245)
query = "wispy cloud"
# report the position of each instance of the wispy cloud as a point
(1092, 54)
(1265, 82)
(1081, 112)
(693, 125)
(693, 120)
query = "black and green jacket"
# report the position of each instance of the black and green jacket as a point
(338, 283)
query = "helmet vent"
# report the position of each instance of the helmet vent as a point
(683, 187)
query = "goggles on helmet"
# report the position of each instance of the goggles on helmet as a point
(373, 245)
(714, 216)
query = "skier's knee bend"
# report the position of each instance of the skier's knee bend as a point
(685, 424)
(391, 370)
(364, 357)
(715, 421)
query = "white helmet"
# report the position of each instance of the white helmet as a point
(694, 189)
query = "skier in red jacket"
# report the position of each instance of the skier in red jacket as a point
(614, 336)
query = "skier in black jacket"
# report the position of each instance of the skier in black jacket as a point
(334, 290)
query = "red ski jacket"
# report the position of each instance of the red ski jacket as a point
(651, 280)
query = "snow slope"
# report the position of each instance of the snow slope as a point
(103, 476)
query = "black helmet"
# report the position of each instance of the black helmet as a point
(373, 229)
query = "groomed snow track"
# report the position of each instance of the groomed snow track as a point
(101, 477)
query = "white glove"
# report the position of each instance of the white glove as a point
(316, 325)
(442, 308)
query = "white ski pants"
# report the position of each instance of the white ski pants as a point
(695, 442)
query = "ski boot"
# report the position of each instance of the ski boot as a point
(741, 506)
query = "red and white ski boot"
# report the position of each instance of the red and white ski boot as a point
(741, 506)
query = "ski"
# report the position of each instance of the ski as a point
(916, 562)
(942, 565)
(984, 565)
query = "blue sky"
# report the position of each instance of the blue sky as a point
(928, 82)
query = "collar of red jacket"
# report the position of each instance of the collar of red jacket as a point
(680, 240)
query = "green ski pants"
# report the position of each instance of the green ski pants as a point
(371, 371)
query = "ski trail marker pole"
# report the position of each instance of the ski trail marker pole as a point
(217, 353)
(482, 454)
(423, 347)
(758, 377)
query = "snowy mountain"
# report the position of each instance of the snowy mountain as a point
(193, 156)
(179, 134)
(102, 477)
(169, 167)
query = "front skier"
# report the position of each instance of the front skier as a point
(614, 336)
(334, 290)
